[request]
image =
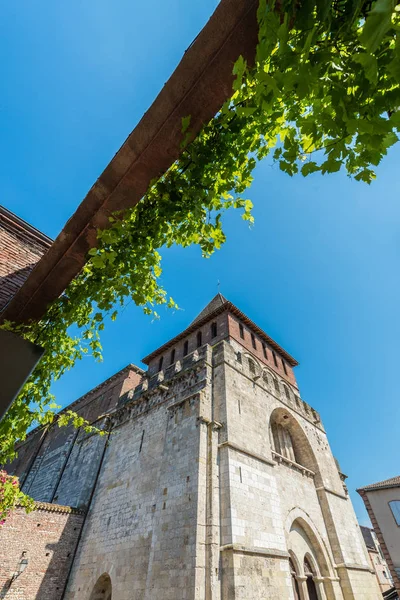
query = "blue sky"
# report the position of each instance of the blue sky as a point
(318, 270)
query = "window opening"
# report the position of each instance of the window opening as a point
(265, 352)
(395, 508)
(252, 366)
(214, 330)
(160, 363)
(185, 348)
(283, 442)
(284, 366)
(172, 358)
(253, 341)
(274, 356)
(241, 331)
(199, 339)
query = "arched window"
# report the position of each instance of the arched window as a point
(285, 387)
(102, 590)
(276, 384)
(295, 584)
(283, 441)
(309, 573)
(395, 508)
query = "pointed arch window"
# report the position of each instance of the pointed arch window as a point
(283, 442)
(309, 572)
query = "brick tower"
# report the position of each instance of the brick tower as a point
(217, 482)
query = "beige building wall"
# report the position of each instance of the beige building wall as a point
(387, 529)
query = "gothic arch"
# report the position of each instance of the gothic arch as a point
(102, 589)
(321, 558)
(302, 447)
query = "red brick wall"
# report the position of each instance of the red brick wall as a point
(222, 333)
(233, 326)
(21, 247)
(48, 540)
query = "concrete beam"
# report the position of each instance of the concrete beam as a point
(198, 87)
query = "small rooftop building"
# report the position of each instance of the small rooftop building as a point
(382, 501)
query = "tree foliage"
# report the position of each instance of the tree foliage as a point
(323, 95)
(11, 496)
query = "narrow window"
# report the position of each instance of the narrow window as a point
(199, 339)
(252, 366)
(141, 441)
(185, 348)
(172, 359)
(276, 384)
(284, 366)
(253, 341)
(287, 392)
(275, 361)
(241, 331)
(214, 330)
(265, 352)
(160, 363)
(395, 508)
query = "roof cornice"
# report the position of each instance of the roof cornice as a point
(11, 220)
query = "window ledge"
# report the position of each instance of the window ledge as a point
(282, 459)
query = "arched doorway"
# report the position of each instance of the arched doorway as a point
(102, 590)
(309, 573)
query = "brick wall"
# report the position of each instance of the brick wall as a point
(46, 538)
(206, 338)
(258, 351)
(21, 247)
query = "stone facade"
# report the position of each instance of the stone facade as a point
(21, 247)
(217, 481)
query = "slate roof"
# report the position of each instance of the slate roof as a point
(211, 307)
(387, 483)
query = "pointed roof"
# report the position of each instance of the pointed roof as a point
(211, 307)
(216, 306)
(386, 483)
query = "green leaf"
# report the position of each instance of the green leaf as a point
(309, 167)
(185, 123)
(377, 23)
(369, 64)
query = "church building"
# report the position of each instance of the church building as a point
(215, 481)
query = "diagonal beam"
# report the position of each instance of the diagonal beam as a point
(198, 87)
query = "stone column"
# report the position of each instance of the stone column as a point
(319, 584)
(302, 581)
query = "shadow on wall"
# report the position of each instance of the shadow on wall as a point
(10, 284)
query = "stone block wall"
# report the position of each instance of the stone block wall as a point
(46, 538)
(50, 462)
(143, 528)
